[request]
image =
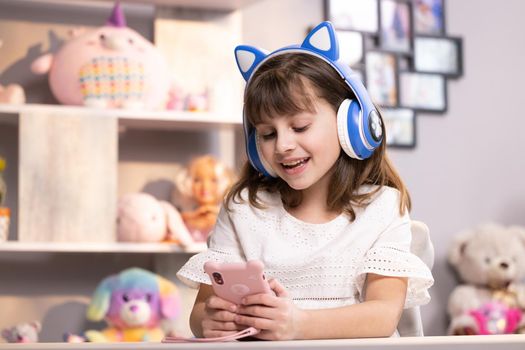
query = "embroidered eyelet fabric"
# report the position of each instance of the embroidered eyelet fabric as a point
(321, 265)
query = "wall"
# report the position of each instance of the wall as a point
(462, 172)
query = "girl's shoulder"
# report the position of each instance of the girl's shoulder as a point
(266, 199)
(380, 193)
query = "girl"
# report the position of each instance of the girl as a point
(331, 227)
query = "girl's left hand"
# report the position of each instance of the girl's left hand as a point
(275, 316)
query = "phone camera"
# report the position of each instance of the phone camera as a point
(217, 277)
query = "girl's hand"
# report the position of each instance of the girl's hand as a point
(219, 316)
(275, 316)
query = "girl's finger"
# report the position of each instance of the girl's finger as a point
(222, 316)
(214, 302)
(278, 288)
(256, 322)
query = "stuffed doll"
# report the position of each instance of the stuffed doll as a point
(22, 333)
(143, 218)
(133, 303)
(112, 66)
(12, 93)
(490, 261)
(205, 181)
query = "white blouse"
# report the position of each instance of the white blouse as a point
(321, 265)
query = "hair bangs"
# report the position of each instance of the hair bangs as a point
(277, 93)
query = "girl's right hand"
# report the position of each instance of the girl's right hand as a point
(218, 320)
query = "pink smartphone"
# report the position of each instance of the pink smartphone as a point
(234, 281)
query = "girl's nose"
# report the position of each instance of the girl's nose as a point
(285, 143)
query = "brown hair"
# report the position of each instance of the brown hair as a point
(281, 87)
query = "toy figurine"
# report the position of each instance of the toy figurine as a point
(111, 66)
(207, 180)
(3, 186)
(22, 333)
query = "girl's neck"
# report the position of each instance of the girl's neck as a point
(313, 208)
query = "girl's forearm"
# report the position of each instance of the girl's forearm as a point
(197, 314)
(375, 318)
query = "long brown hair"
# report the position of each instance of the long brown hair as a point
(281, 87)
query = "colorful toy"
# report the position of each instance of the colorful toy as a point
(143, 218)
(112, 66)
(496, 318)
(133, 303)
(22, 333)
(3, 186)
(205, 181)
(490, 260)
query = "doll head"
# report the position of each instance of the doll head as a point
(209, 180)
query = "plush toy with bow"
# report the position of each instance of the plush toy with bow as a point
(22, 333)
(133, 303)
(490, 260)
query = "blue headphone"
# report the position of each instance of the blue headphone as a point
(359, 126)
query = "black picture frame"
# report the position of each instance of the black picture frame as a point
(400, 125)
(396, 26)
(423, 92)
(381, 77)
(356, 15)
(429, 17)
(438, 54)
(351, 47)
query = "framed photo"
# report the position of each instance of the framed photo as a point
(400, 124)
(351, 46)
(395, 25)
(359, 15)
(429, 17)
(441, 55)
(422, 91)
(381, 77)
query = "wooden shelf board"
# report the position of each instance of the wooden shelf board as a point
(92, 247)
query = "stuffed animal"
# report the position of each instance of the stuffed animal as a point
(111, 66)
(22, 333)
(205, 180)
(143, 218)
(12, 93)
(133, 303)
(490, 260)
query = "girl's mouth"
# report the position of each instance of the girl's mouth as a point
(295, 166)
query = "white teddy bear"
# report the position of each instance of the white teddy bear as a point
(490, 260)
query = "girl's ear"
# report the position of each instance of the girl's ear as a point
(99, 305)
(170, 303)
(322, 39)
(247, 58)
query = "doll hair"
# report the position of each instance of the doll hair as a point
(286, 85)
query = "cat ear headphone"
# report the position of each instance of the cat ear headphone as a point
(359, 126)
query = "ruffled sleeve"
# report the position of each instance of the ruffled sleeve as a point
(223, 246)
(390, 255)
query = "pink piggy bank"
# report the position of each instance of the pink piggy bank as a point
(110, 67)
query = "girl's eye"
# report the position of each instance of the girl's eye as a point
(268, 136)
(301, 129)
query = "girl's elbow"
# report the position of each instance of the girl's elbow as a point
(389, 317)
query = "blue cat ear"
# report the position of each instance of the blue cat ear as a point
(322, 39)
(248, 57)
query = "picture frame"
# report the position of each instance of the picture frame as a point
(436, 54)
(358, 15)
(429, 17)
(351, 47)
(395, 26)
(381, 77)
(400, 125)
(423, 92)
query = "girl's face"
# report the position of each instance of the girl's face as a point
(302, 149)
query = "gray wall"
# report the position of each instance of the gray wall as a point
(462, 172)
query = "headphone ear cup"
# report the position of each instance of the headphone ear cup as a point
(255, 156)
(350, 130)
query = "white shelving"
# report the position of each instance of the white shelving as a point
(89, 247)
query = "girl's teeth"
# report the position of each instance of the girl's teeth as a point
(293, 164)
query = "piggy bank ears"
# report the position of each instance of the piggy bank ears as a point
(99, 305)
(170, 302)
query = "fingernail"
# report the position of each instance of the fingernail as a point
(233, 308)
